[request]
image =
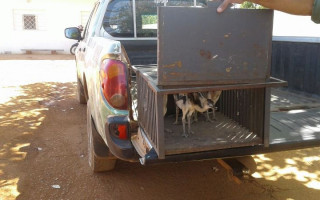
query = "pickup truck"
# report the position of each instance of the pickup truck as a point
(115, 58)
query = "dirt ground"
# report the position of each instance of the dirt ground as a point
(43, 150)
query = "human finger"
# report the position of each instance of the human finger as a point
(226, 3)
(223, 6)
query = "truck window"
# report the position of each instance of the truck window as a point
(146, 18)
(89, 26)
(200, 3)
(118, 19)
(146, 14)
(181, 3)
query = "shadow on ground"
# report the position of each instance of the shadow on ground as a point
(43, 144)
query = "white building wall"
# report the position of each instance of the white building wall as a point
(53, 16)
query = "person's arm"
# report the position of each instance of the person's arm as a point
(296, 7)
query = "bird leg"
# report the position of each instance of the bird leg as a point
(189, 123)
(195, 116)
(208, 117)
(184, 124)
(177, 115)
(165, 101)
(214, 114)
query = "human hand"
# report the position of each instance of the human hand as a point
(225, 4)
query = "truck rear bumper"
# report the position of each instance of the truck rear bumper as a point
(121, 148)
(151, 158)
(125, 150)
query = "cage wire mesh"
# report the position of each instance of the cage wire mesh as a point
(134, 98)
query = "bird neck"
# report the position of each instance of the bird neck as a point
(201, 109)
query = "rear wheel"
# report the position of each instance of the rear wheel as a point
(249, 163)
(99, 156)
(80, 92)
(73, 48)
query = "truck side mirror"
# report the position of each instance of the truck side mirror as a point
(72, 33)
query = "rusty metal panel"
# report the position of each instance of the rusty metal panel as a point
(200, 46)
(150, 114)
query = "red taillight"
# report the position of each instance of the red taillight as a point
(119, 131)
(122, 129)
(114, 83)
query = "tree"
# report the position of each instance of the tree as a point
(251, 5)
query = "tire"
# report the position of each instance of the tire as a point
(80, 92)
(73, 48)
(249, 163)
(99, 156)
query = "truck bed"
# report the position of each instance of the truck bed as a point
(222, 133)
(294, 117)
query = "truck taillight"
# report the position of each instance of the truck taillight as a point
(114, 83)
(120, 131)
(123, 133)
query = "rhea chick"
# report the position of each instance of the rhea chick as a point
(214, 96)
(176, 98)
(188, 104)
(179, 96)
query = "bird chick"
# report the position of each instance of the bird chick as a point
(214, 96)
(189, 104)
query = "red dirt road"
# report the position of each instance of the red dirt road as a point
(43, 144)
